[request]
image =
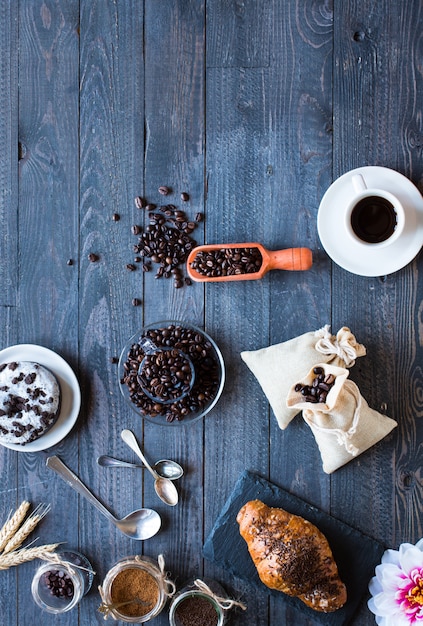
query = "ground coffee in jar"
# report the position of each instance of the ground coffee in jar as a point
(201, 603)
(136, 591)
(196, 611)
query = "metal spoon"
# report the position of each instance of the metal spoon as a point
(165, 468)
(164, 487)
(141, 524)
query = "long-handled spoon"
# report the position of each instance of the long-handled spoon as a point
(164, 487)
(294, 259)
(141, 524)
(165, 467)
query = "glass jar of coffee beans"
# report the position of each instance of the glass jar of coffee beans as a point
(171, 373)
(57, 587)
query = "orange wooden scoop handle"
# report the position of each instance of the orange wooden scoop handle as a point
(290, 259)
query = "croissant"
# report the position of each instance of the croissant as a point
(292, 555)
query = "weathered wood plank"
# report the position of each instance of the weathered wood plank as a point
(11, 495)
(174, 156)
(235, 103)
(12, 491)
(376, 81)
(111, 131)
(237, 313)
(8, 154)
(239, 33)
(279, 137)
(47, 227)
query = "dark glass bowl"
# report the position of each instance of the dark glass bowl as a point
(209, 373)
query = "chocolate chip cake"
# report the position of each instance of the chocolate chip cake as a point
(29, 401)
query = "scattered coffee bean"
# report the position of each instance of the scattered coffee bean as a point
(206, 367)
(93, 257)
(199, 217)
(319, 388)
(140, 202)
(131, 267)
(227, 262)
(59, 584)
(166, 241)
(136, 302)
(69, 262)
(115, 217)
(114, 359)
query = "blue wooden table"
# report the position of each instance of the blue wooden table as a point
(254, 109)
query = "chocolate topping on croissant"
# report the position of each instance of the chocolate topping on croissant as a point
(292, 555)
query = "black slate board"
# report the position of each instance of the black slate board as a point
(355, 554)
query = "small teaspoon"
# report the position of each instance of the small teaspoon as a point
(164, 487)
(165, 467)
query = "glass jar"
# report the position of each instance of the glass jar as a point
(208, 369)
(195, 605)
(135, 590)
(58, 587)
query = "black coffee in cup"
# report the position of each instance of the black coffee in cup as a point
(373, 219)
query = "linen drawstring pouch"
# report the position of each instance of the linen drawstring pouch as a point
(343, 425)
(278, 366)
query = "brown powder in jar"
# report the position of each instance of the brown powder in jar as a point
(196, 611)
(131, 584)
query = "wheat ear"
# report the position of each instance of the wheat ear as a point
(26, 554)
(26, 529)
(12, 524)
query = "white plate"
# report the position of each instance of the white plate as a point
(69, 387)
(351, 255)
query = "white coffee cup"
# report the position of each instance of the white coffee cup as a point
(374, 217)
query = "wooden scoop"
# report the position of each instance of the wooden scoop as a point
(288, 259)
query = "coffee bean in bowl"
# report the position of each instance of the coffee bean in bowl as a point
(30, 401)
(208, 373)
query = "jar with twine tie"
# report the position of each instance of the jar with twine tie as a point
(135, 589)
(201, 603)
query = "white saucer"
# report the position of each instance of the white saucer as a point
(351, 255)
(69, 387)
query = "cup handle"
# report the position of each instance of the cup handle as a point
(359, 183)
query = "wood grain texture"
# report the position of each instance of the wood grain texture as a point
(111, 131)
(12, 491)
(174, 156)
(254, 109)
(48, 228)
(239, 33)
(371, 61)
(9, 154)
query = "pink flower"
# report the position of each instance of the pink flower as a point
(397, 588)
